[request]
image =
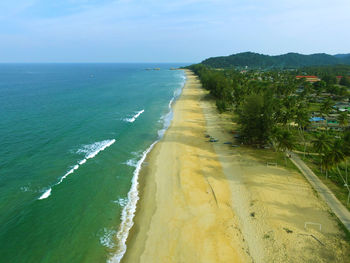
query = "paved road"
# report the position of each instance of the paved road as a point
(338, 209)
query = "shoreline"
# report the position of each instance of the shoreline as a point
(130, 210)
(210, 202)
(176, 216)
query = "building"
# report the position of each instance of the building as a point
(309, 78)
(339, 78)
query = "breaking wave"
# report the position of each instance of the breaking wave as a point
(90, 150)
(129, 209)
(132, 119)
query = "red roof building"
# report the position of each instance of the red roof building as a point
(309, 78)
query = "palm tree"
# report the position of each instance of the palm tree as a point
(284, 140)
(343, 145)
(346, 151)
(343, 119)
(336, 153)
(321, 145)
(326, 108)
(327, 162)
(302, 119)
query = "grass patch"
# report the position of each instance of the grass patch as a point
(270, 156)
(333, 182)
(345, 231)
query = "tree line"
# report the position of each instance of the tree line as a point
(272, 108)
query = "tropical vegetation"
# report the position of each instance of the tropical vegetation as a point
(290, 60)
(274, 109)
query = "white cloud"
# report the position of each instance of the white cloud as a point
(174, 30)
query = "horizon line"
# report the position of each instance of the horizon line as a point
(97, 62)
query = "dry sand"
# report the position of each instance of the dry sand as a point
(209, 202)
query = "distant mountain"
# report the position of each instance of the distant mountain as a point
(344, 57)
(290, 60)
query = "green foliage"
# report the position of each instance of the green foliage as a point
(326, 107)
(329, 79)
(322, 143)
(322, 71)
(290, 60)
(345, 81)
(256, 118)
(283, 139)
(343, 119)
(266, 101)
(221, 106)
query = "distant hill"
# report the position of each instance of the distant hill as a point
(290, 60)
(344, 57)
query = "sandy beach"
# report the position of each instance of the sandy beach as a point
(210, 202)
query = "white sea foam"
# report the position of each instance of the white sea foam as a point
(135, 116)
(107, 237)
(90, 150)
(121, 201)
(46, 194)
(166, 119)
(128, 212)
(131, 162)
(65, 176)
(129, 209)
(25, 188)
(171, 102)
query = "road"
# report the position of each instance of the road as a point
(338, 209)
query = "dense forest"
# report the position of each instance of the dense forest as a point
(290, 60)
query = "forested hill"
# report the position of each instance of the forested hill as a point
(290, 60)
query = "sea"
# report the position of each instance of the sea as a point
(72, 141)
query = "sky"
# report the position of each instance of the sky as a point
(168, 31)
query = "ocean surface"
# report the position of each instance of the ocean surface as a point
(72, 140)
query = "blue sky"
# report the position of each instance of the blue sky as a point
(168, 31)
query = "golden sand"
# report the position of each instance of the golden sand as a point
(209, 202)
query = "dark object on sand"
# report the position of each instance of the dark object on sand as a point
(207, 136)
(235, 145)
(227, 142)
(213, 140)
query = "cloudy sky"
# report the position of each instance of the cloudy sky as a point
(168, 31)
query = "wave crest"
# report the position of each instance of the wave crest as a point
(128, 211)
(90, 150)
(132, 119)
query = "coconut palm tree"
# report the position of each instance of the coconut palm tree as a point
(322, 144)
(302, 119)
(336, 153)
(284, 140)
(343, 119)
(326, 108)
(327, 162)
(346, 151)
(344, 146)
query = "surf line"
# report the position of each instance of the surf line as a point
(135, 116)
(96, 148)
(129, 210)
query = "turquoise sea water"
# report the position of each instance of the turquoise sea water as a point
(72, 137)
